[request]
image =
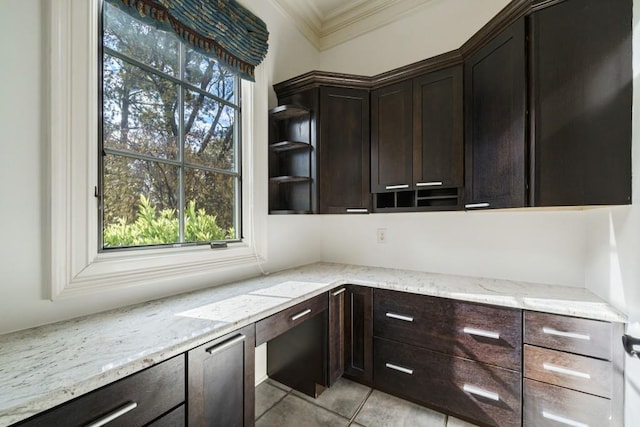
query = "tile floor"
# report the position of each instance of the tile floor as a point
(345, 404)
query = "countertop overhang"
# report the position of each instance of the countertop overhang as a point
(43, 367)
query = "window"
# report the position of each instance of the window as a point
(170, 150)
(75, 264)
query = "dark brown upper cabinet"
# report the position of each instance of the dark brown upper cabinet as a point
(438, 133)
(495, 125)
(343, 151)
(392, 137)
(581, 95)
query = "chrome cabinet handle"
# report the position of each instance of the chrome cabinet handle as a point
(563, 420)
(338, 292)
(477, 205)
(399, 317)
(481, 333)
(301, 314)
(399, 368)
(397, 187)
(226, 344)
(550, 331)
(429, 184)
(561, 370)
(127, 407)
(481, 392)
(357, 210)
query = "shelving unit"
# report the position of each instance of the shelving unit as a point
(418, 200)
(290, 166)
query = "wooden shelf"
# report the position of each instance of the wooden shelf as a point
(288, 111)
(287, 178)
(437, 197)
(288, 212)
(289, 146)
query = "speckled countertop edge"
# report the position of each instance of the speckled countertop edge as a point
(48, 365)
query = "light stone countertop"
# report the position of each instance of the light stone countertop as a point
(48, 365)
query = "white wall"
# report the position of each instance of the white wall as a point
(23, 81)
(612, 268)
(438, 27)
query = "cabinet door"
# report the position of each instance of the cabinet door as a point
(221, 381)
(358, 333)
(343, 150)
(582, 94)
(438, 129)
(392, 137)
(336, 334)
(495, 144)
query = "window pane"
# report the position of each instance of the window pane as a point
(140, 202)
(209, 132)
(139, 110)
(135, 39)
(210, 204)
(206, 74)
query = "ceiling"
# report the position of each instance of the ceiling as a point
(327, 23)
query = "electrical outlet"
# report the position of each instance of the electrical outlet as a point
(382, 235)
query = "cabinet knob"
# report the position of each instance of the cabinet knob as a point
(481, 392)
(550, 331)
(481, 333)
(399, 317)
(477, 205)
(429, 184)
(399, 368)
(397, 187)
(226, 344)
(565, 371)
(563, 420)
(301, 314)
(357, 210)
(127, 407)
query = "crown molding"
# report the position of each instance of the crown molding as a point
(345, 22)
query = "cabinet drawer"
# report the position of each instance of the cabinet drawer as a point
(487, 394)
(272, 326)
(572, 334)
(580, 373)
(475, 331)
(175, 418)
(546, 405)
(140, 398)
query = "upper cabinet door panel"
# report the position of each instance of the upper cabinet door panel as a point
(438, 129)
(344, 150)
(392, 137)
(582, 93)
(495, 108)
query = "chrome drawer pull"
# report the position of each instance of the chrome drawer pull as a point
(550, 331)
(301, 314)
(561, 370)
(397, 187)
(563, 420)
(226, 344)
(338, 292)
(429, 184)
(127, 407)
(481, 333)
(399, 368)
(481, 392)
(476, 205)
(357, 210)
(399, 317)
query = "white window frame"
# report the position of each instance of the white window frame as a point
(76, 266)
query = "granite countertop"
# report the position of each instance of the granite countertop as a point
(48, 365)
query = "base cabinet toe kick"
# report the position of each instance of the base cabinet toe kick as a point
(488, 365)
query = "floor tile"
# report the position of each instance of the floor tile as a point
(383, 410)
(454, 422)
(293, 411)
(267, 395)
(279, 385)
(344, 397)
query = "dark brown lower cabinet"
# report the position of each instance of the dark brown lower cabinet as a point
(358, 333)
(221, 381)
(336, 334)
(136, 400)
(483, 394)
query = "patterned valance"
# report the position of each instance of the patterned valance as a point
(222, 29)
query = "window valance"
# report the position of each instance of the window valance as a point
(222, 29)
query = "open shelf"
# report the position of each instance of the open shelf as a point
(288, 111)
(289, 146)
(288, 178)
(288, 212)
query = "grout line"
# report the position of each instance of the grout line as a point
(352, 420)
(286, 393)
